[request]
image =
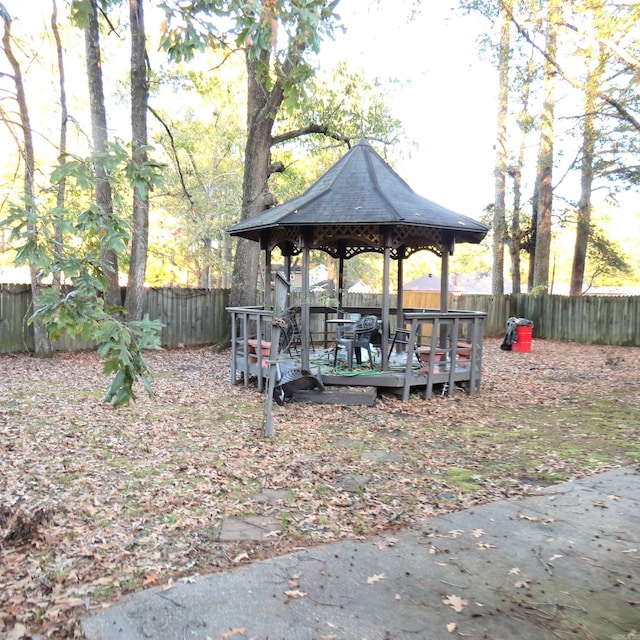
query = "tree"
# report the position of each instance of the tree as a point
(205, 147)
(86, 12)
(64, 116)
(265, 95)
(140, 219)
(520, 228)
(81, 310)
(53, 240)
(41, 339)
(583, 226)
(605, 257)
(608, 28)
(499, 208)
(544, 178)
(275, 77)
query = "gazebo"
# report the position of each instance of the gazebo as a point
(360, 205)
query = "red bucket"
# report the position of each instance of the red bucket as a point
(523, 343)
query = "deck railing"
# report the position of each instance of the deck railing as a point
(449, 344)
(251, 329)
(442, 348)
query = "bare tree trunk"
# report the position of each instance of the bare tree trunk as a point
(204, 277)
(583, 230)
(256, 197)
(104, 200)
(139, 102)
(545, 157)
(515, 235)
(43, 348)
(535, 201)
(499, 210)
(60, 196)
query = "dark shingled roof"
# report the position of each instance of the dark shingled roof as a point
(361, 191)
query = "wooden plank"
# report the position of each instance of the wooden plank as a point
(347, 397)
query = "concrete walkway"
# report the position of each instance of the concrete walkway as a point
(562, 564)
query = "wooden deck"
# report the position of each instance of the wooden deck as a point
(433, 351)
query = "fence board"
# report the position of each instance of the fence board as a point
(15, 302)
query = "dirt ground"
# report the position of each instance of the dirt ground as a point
(96, 502)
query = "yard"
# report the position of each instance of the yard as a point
(96, 502)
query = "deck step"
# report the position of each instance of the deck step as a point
(348, 397)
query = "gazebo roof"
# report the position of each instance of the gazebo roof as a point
(350, 208)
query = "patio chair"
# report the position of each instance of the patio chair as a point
(291, 335)
(355, 337)
(401, 340)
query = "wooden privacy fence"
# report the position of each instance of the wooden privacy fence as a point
(189, 316)
(199, 316)
(613, 320)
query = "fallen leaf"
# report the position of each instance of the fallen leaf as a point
(530, 518)
(233, 632)
(241, 556)
(150, 578)
(456, 603)
(376, 578)
(485, 545)
(451, 627)
(18, 631)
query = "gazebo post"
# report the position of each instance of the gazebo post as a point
(400, 282)
(287, 275)
(264, 246)
(447, 248)
(304, 303)
(340, 275)
(386, 277)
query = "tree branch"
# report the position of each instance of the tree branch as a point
(175, 152)
(625, 113)
(311, 128)
(621, 53)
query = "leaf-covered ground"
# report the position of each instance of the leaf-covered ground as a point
(96, 502)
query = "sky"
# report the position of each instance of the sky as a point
(449, 107)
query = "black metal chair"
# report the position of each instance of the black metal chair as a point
(291, 335)
(401, 340)
(354, 337)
